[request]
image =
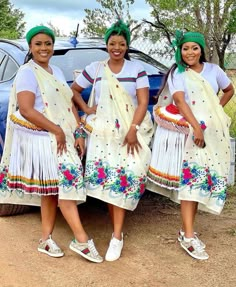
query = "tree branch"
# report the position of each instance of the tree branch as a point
(160, 25)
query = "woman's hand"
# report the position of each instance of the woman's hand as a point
(80, 146)
(186, 112)
(91, 110)
(61, 141)
(131, 141)
(228, 94)
(198, 137)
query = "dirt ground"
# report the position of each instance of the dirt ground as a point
(151, 255)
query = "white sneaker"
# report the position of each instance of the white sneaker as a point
(181, 237)
(194, 249)
(114, 249)
(87, 250)
(50, 247)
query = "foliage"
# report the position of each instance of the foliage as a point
(11, 21)
(56, 30)
(216, 19)
(98, 20)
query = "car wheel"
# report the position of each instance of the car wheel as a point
(13, 209)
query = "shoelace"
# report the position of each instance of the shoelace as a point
(196, 244)
(199, 240)
(53, 244)
(181, 234)
(92, 247)
(114, 244)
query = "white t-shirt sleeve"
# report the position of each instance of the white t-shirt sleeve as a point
(222, 78)
(26, 81)
(86, 78)
(176, 82)
(142, 78)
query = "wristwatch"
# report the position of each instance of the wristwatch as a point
(136, 126)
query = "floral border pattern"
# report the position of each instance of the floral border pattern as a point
(70, 176)
(207, 181)
(119, 180)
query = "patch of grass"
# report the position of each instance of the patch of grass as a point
(230, 109)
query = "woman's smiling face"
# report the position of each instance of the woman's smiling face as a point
(117, 47)
(191, 53)
(41, 47)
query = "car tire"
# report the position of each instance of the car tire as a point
(13, 209)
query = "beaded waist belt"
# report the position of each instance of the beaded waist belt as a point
(24, 123)
(169, 117)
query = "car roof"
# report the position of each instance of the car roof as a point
(66, 43)
(61, 43)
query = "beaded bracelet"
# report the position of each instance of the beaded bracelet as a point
(79, 133)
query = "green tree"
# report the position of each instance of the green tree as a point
(55, 29)
(216, 19)
(11, 21)
(96, 21)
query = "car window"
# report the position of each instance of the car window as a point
(8, 67)
(77, 60)
(3, 58)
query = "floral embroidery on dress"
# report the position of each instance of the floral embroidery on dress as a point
(118, 179)
(117, 124)
(203, 179)
(203, 125)
(71, 175)
(3, 178)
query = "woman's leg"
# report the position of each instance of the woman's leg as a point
(48, 215)
(190, 242)
(117, 215)
(81, 244)
(116, 244)
(110, 209)
(188, 212)
(118, 221)
(70, 212)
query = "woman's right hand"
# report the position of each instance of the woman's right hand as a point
(61, 141)
(198, 137)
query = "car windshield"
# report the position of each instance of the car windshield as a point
(151, 66)
(77, 59)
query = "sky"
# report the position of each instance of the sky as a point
(66, 14)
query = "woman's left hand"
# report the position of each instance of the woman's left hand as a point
(132, 142)
(80, 146)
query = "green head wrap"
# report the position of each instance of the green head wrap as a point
(39, 29)
(180, 39)
(119, 28)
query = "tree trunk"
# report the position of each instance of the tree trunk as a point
(221, 57)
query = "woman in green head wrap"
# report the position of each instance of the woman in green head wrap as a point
(118, 153)
(191, 149)
(121, 29)
(40, 160)
(34, 32)
(180, 39)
